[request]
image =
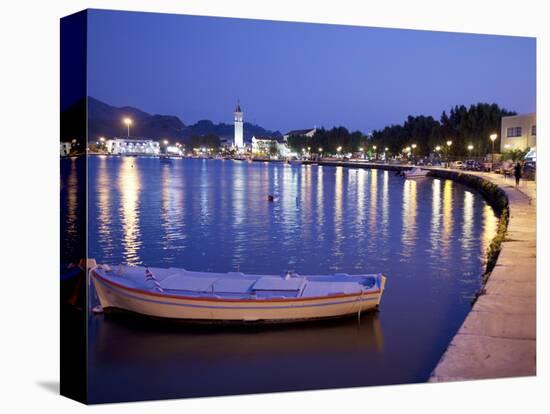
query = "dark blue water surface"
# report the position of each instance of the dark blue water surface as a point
(428, 236)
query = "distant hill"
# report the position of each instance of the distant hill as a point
(106, 120)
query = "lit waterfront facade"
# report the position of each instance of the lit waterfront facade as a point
(132, 146)
(519, 132)
(264, 145)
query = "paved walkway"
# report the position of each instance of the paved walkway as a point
(498, 337)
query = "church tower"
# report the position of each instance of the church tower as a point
(238, 141)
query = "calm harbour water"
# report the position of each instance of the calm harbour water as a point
(428, 236)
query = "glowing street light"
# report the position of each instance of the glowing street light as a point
(320, 149)
(128, 122)
(102, 139)
(470, 147)
(449, 143)
(493, 138)
(338, 150)
(438, 148)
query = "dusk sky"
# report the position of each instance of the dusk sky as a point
(297, 75)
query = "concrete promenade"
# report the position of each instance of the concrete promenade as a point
(498, 337)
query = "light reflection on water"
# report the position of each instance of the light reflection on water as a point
(214, 216)
(429, 236)
(129, 186)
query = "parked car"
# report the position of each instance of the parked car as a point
(507, 168)
(472, 165)
(459, 165)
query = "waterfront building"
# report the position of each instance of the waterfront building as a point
(132, 146)
(519, 132)
(309, 132)
(65, 148)
(238, 141)
(264, 146)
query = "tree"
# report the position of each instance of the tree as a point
(463, 126)
(514, 155)
(273, 151)
(206, 141)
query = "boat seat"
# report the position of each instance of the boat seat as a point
(271, 283)
(189, 284)
(331, 288)
(241, 286)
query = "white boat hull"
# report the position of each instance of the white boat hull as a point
(162, 305)
(415, 173)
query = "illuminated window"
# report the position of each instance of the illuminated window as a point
(513, 132)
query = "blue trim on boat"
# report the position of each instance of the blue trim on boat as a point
(122, 292)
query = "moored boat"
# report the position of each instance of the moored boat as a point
(234, 297)
(415, 173)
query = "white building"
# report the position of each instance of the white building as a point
(518, 132)
(132, 146)
(264, 145)
(238, 141)
(65, 148)
(301, 132)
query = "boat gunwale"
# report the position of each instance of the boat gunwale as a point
(212, 299)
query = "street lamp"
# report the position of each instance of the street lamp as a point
(338, 150)
(128, 122)
(449, 143)
(493, 138)
(413, 146)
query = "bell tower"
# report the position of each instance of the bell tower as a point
(238, 141)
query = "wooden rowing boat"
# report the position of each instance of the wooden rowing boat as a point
(234, 297)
